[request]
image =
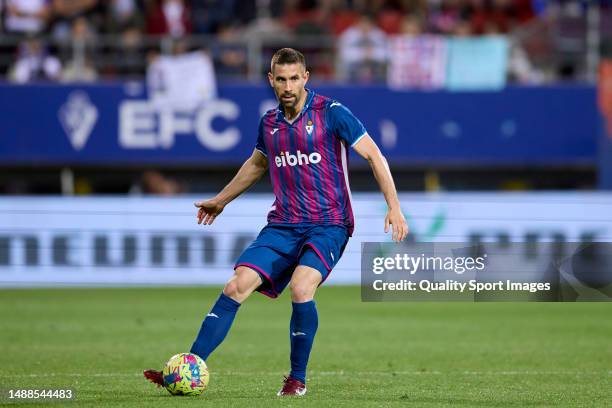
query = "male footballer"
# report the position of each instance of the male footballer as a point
(303, 142)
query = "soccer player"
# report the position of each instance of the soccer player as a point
(304, 144)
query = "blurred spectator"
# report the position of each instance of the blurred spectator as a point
(462, 28)
(411, 25)
(341, 16)
(417, 8)
(79, 71)
(79, 67)
(363, 52)
(131, 52)
(121, 14)
(524, 10)
(210, 15)
(447, 16)
(491, 15)
(265, 27)
(246, 11)
(34, 63)
(269, 8)
(79, 39)
(520, 68)
(304, 17)
(390, 16)
(229, 53)
(169, 17)
(83, 31)
(504, 14)
(71, 9)
(65, 12)
(26, 16)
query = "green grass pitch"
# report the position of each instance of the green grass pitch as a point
(97, 341)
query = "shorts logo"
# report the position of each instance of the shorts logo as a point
(297, 159)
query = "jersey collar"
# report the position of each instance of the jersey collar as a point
(280, 114)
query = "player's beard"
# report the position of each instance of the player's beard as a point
(290, 103)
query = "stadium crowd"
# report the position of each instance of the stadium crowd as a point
(117, 35)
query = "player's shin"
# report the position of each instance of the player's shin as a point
(303, 327)
(215, 326)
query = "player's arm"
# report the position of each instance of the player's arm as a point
(250, 172)
(367, 148)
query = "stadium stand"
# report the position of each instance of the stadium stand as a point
(434, 45)
(108, 39)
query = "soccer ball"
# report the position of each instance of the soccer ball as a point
(185, 374)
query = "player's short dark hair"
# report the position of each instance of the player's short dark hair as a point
(287, 56)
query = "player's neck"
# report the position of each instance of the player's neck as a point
(292, 113)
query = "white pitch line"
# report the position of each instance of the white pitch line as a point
(327, 373)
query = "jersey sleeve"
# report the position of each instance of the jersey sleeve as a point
(344, 124)
(260, 145)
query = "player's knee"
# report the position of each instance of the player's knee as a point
(235, 289)
(301, 292)
(241, 285)
(232, 289)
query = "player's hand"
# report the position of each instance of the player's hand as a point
(400, 227)
(208, 211)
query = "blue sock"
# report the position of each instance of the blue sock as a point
(215, 326)
(303, 327)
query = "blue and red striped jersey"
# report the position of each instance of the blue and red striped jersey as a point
(308, 161)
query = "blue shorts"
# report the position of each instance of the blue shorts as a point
(279, 248)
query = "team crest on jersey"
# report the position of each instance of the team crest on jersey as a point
(309, 127)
